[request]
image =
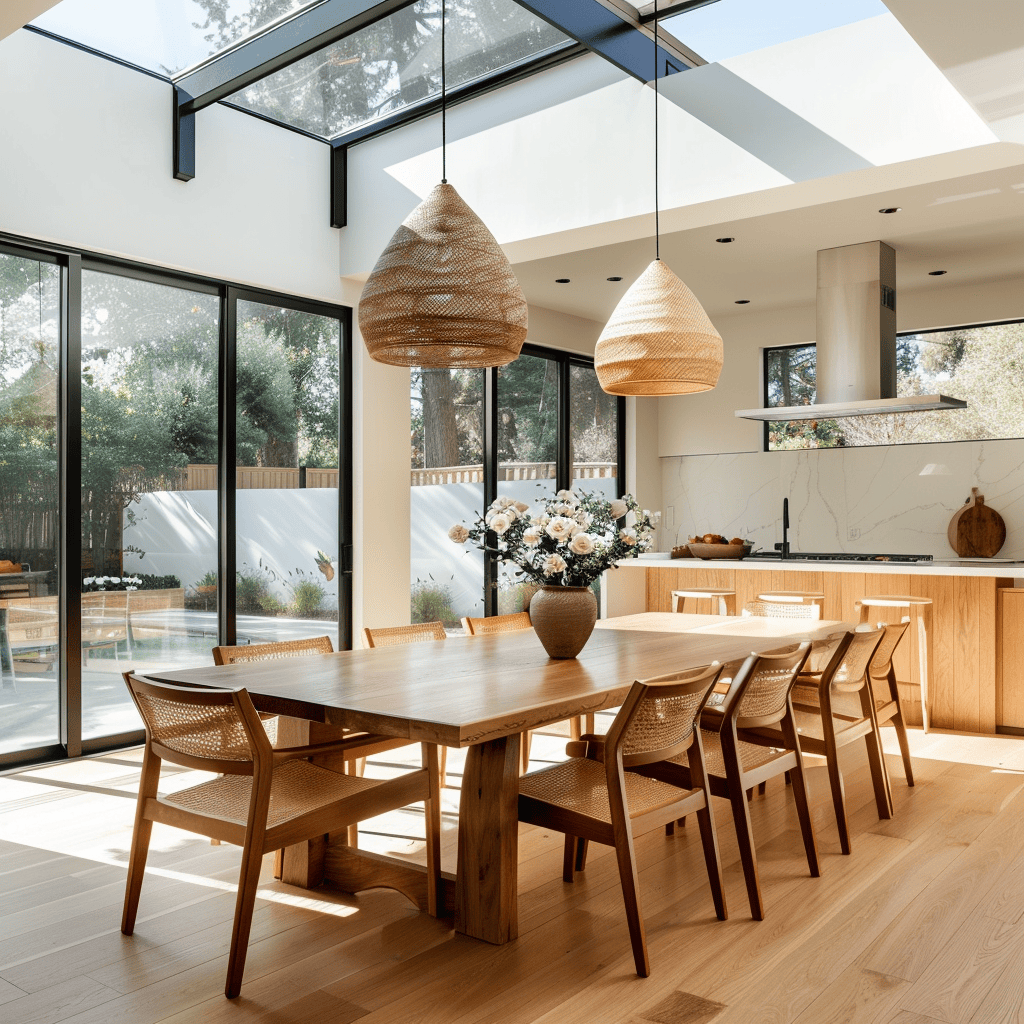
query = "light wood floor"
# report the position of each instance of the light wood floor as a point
(923, 923)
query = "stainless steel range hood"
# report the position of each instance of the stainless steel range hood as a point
(856, 348)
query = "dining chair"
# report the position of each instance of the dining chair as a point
(393, 636)
(759, 695)
(592, 797)
(262, 799)
(825, 728)
(353, 759)
(884, 691)
(511, 623)
(396, 636)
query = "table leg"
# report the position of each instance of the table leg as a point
(489, 842)
(924, 654)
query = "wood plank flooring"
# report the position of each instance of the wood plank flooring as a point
(922, 924)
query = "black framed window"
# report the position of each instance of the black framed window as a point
(983, 364)
(539, 424)
(190, 483)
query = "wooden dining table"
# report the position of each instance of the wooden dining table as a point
(482, 692)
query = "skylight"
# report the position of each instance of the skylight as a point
(396, 63)
(728, 28)
(164, 36)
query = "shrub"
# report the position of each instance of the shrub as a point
(309, 594)
(252, 593)
(431, 601)
(151, 582)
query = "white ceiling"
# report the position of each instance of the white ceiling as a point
(971, 226)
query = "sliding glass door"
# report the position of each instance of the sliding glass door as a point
(175, 473)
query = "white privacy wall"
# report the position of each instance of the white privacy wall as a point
(892, 499)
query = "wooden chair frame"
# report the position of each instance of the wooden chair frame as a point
(839, 730)
(580, 828)
(733, 728)
(255, 836)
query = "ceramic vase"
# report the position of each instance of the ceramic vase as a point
(563, 619)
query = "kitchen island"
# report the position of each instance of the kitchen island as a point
(977, 658)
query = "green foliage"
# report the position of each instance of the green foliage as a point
(252, 592)
(308, 596)
(209, 579)
(432, 602)
(147, 581)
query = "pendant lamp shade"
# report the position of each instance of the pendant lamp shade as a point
(659, 340)
(443, 293)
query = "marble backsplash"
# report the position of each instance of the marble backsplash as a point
(894, 499)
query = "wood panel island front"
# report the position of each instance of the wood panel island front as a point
(977, 657)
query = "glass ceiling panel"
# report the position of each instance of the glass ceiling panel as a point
(396, 62)
(728, 28)
(165, 36)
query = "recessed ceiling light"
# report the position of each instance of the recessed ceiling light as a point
(891, 209)
(613, 278)
(724, 240)
(741, 302)
(561, 280)
(936, 273)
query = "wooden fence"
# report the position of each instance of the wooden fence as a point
(204, 478)
(509, 471)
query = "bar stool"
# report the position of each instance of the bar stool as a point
(723, 602)
(919, 608)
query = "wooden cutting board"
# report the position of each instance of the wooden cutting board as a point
(976, 531)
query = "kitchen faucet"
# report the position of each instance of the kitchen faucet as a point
(784, 546)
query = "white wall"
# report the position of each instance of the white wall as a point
(715, 476)
(85, 160)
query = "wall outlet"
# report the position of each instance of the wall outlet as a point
(853, 533)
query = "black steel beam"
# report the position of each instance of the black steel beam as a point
(183, 126)
(339, 186)
(226, 474)
(607, 34)
(492, 567)
(277, 47)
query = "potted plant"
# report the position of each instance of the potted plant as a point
(563, 544)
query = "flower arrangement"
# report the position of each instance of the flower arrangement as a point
(565, 541)
(93, 583)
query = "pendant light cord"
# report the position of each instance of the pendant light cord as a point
(444, 125)
(657, 219)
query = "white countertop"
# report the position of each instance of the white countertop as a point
(952, 567)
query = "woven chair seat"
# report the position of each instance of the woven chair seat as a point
(580, 785)
(846, 705)
(751, 755)
(298, 787)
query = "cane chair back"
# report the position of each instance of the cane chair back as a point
(759, 695)
(593, 798)
(833, 709)
(272, 651)
(886, 692)
(261, 799)
(736, 760)
(496, 623)
(394, 636)
(782, 610)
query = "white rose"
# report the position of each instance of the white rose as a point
(627, 537)
(582, 544)
(531, 537)
(458, 533)
(553, 564)
(560, 528)
(540, 520)
(501, 522)
(617, 509)
(566, 495)
(114, 579)
(584, 518)
(89, 579)
(503, 501)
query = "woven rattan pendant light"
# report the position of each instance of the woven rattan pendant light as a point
(443, 293)
(659, 340)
